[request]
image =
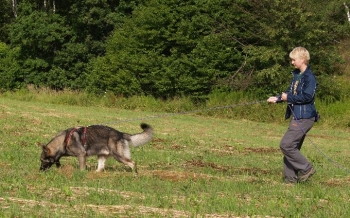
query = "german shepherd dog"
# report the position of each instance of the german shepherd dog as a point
(99, 140)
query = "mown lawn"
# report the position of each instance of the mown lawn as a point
(195, 166)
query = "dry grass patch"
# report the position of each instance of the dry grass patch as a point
(113, 210)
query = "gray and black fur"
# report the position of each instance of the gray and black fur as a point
(100, 140)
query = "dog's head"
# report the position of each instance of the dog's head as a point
(47, 160)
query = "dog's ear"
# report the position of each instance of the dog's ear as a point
(46, 150)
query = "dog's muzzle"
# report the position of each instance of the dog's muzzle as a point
(46, 164)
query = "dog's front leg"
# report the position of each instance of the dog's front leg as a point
(82, 162)
(58, 164)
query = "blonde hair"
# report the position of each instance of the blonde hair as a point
(300, 52)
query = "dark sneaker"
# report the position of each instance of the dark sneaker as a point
(306, 176)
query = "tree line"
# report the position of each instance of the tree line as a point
(167, 48)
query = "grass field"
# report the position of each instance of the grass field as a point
(195, 166)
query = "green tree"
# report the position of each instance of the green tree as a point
(316, 25)
(6, 17)
(170, 48)
(10, 73)
(193, 47)
(39, 35)
(57, 39)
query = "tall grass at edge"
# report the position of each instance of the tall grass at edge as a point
(234, 105)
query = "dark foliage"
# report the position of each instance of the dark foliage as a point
(167, 48)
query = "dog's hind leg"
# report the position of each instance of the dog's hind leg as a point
(129, 163)
(101, 163)
(121, 153)
(125, 161)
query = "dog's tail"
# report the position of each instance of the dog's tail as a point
(143, 137)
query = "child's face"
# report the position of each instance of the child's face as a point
(298, 63)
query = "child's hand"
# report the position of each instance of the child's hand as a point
(272, 99)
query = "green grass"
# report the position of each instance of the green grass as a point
(195, 166)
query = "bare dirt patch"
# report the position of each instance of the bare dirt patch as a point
(200, 163)
(228, 149)
(239, 171)
(177, 176)
(338, 182)
(162, 144)
(261, 150)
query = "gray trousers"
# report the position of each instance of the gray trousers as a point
(293, 160)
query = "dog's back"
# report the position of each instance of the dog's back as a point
(100, 134)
